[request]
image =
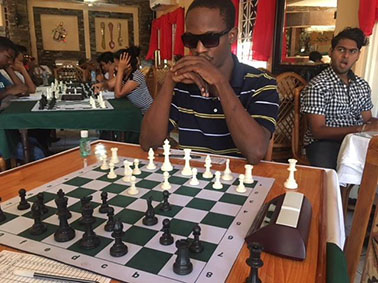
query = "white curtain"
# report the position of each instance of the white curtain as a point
(371, 69)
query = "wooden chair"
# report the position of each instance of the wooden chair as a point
(354, 243)
(155, 80)
(69, 73)
(300, 128)
(286, 85)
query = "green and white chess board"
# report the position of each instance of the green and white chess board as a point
(224, 216)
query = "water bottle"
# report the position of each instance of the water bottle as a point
(93, 76)
(85, 146)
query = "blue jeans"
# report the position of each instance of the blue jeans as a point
(36, 152)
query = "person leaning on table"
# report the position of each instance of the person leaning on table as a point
(337, 102)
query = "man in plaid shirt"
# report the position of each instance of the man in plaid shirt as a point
(337, 102)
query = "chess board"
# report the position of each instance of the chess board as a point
(223, 215)
(75, 105)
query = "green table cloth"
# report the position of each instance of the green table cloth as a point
(124, 117)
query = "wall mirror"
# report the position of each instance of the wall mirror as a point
(302, 26)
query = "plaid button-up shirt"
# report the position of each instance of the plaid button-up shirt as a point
(341, 104)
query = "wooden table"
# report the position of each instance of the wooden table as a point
(276, 269)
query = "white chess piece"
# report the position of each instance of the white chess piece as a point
(167, 166)
(194, 181)
(104, 165)
(241, 188)
(290, 183)
(92, 102)
(133, 189)
(207, 174)
(248, 174)
(151, 156)
(128, 172)
(227, 174)
(136, 170)
(114, 159)
(166, 185)
(111, 174)
(187, 171)
(217, 184)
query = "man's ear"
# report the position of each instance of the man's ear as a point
(330, 52)
(233, 35)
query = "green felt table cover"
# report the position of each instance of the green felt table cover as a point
(124, 117)
(337, 271)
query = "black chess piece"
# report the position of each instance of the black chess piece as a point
(61, 204)
(38, 227)
(23, 205)
(41, 203)
(196, 246)
(166, 239)
(119, 248)
(2, 215)
(84, 201)
(65, 232)
(150, 218)
(109, 226)
(104, 206)
(255, 262)
(165, 205)
(182, 265)
(89, 240)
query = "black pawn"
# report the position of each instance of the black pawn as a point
(166, 205)
(61, 204)
(109, 226)
(90, 240)
(23, 205)
(104, 206)
(255, 262)
(150, 218)
(65, 232)
(182, 265)
(196, 246)
(38, 227)
(41, 203)
(84, 202)
(166, 239)
(2, 215)
(119, 248)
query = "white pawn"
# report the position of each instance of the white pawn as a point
(136, 170)
(114, 158)
(128, 172)
(151, 156)
(104, 165)
(207, 174)
(133, 189)
(241, 188)
(111, 174)
(92, 102)
(167, 166)
(187, 171)
(227, 174)
(194, 181)
(217, 184)
(290, 183)
(166, 185)
(248, 174)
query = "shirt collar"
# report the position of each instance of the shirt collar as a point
(238, 73)
(336, 78)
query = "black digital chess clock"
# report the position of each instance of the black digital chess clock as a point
(282, 226)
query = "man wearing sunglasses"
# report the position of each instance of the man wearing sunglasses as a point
(219, 105)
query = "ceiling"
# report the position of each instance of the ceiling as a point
(312, 3)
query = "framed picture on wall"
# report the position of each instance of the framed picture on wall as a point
(111, 34)
(60, 33)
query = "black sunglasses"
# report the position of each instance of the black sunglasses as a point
(209, 40)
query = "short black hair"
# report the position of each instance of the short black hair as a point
(315, 56)
(6, 43)
(354, 34)
(105, 57)
(20, 49)
(226, 9)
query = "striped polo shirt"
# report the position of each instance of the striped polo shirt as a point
(201, 121)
